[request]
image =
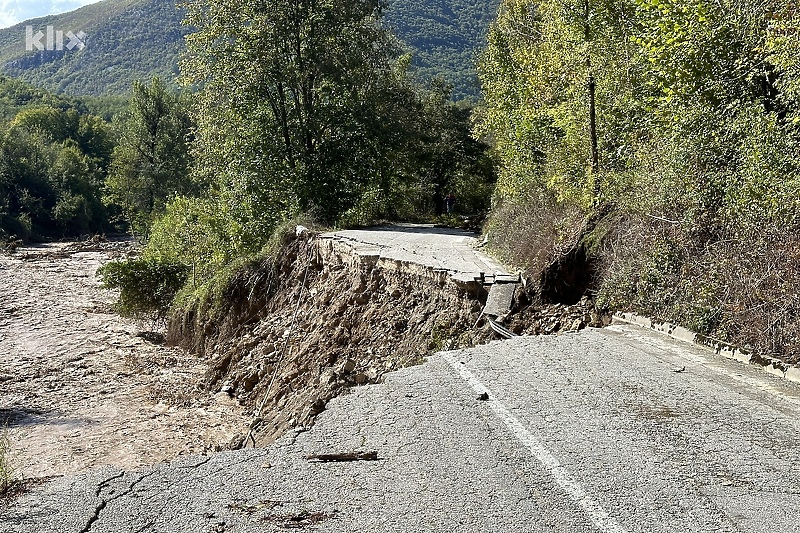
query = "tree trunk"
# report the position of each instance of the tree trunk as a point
(593, 127)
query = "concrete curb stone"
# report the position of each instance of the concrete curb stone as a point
(729, 351)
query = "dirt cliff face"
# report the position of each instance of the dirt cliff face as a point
(298, 331)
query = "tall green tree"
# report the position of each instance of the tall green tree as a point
(300, 99)
(560, 83)
(151, 160)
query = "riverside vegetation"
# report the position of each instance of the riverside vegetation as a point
(643, 152)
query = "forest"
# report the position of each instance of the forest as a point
(656, 141)
(54, 157)
(649, 147)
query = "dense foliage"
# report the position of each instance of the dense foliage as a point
(682, 117)
(151, 159)
(147, 287)
(54, 157)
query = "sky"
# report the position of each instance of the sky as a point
(14, 11)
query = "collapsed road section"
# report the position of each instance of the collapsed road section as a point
(335, 311)
(339, 310)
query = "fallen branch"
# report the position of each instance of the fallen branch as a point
(343, 457)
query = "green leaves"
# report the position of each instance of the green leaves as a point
(53, 161)
(147, 286)
(151, 160)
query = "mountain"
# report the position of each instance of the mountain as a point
(104, 47)
(444, 37)
(124, 40)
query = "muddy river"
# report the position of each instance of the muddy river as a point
(82, 387)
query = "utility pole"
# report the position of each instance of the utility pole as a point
(591, 89)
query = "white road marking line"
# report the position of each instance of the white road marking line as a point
(599, 517)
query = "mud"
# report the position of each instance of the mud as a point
(81, 386)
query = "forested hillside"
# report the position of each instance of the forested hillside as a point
(136, 39)
(126, 40)
(445, 37)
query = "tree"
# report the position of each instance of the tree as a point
(446, 157)
(560, 84)
(151, 161)
(299, 106)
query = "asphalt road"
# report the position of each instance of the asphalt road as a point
(447, 249)
(614, 430)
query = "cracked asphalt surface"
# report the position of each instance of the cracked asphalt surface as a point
(594, 431)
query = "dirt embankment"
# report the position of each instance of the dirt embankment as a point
(293, 334)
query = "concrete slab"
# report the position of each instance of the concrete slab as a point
(425, 245)
(501, 296)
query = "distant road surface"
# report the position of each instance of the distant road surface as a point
(448, 249)
(614, 430)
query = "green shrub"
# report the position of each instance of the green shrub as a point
(147, 286)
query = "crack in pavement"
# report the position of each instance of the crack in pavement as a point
(104, 503)
(103, 484)
(146, 527)
(196, 465)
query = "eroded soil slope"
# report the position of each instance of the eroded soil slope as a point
(78, 387)
(324, 317)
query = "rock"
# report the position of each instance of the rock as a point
(317, 407)
(223, 398)
(577, 325)
(237, 442)
(267, 370)
(360, 379)
(250, 380)
(552, 327)
(348, 366)
(327, 377)
(361, 298)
